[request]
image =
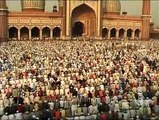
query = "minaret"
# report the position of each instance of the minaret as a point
(146, 19)
(62, 10)
(3, 21)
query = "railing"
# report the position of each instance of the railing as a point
(81, 39)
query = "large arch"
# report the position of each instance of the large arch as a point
(24, 33)
(129, 33)
(86, 15)
(56, 32)
(105, 32)
(121, 33)
(78, 29)
(35, 33)
(137, 34)
(13, 33)
(113, 33)
(46, 32)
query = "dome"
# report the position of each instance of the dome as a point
(111, 6)
(38, 5)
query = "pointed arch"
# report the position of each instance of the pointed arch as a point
(46, 33)
(13, 33)
(105, 32)
(87, 16)
(129, 33)
(78, 29)
(137, 34)
(57, 32)
(24, 33)
(113, 32)
(35, 33)
(121, 33)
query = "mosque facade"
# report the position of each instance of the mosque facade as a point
(74, 18)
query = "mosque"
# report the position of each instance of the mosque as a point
(73, 18)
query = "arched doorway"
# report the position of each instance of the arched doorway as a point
(78, 29)
(137, 34)
(24, 33)
(56, 32)
(85, 15)
(46, 33)
(113, 33)
(129, 33)
(13, 33)
(121, 33)
(35, 33)
(105, 33)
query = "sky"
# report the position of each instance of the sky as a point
(133, 7)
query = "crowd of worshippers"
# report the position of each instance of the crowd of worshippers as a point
(79, 80)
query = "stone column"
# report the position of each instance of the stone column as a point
(41, 37)
(139, 35)
(64, 18)
(99, 18)
(117, 34)
(108, 34)
(68, 18)
(133, 35)
(19, 34)
(51, 34)
(30, 34)
(125, 34)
